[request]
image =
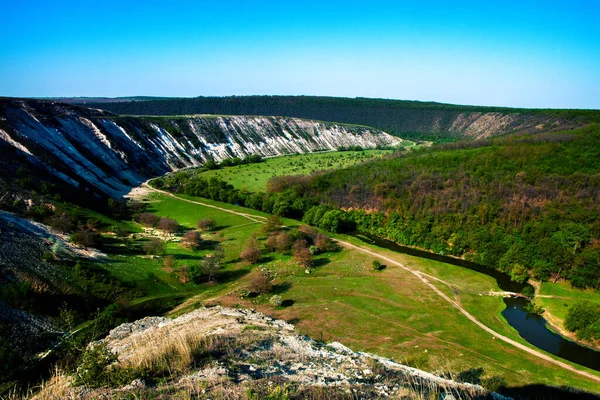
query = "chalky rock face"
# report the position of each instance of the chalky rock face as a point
(263, 349)
(108, 154)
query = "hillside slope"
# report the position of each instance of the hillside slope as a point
(242, 354)
(403, 118)
(97, 152)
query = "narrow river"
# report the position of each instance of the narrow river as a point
(532, 327)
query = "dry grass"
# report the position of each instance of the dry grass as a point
(57, 387)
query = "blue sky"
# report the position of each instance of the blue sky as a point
(518, 53)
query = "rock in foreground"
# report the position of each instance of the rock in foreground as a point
(237, 353)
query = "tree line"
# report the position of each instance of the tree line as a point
(527, 205)
(410, 118)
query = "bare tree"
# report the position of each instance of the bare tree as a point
(192, 240)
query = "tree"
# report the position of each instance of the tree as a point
(169, 264)
(324, 243)
(209, 267)
(168, 225)
(283, 241)
(261, 283)
(206, 224)
(276, 300)
(377, 265)
(251, 252)
(581, 315)
(85, 238)
(183, 274)
(302, 254)
(272, 223)
(148, 219)
(154, 246)
(271, 242)
(192, 240)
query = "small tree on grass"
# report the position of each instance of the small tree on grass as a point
(183, 274)
(284, 242)
(154, 247)
(169, 264)
(261, 283)
(192, 240)
(251, 252)
(85, 238)
(377, 265)
(302, 254)
(209, 267)
(276, 300)
(271, 243)
(168, 225)
(206, 224)
(148, 219)
(272, 223)
(324, 243)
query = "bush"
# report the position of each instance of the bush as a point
(96, 368)
(148, 219)
(260, 284)
(302, 254)
(206, 224)
(273, 223)
(377, 265)
(183, 274)
(251, 253)
(168, 225)
(276, 300)
(155, 247)
(581, 316)
(169, 264)
(192, 240)
(85, 238)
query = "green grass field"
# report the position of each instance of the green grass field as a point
(390, 312)
(254, 177)
(562, 296)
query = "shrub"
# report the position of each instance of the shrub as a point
(272, 223)
(183, 274)
(154, 247)
(302, 254)
(169, 264)
(85, 238)
(324, 243)
(97, 368)
(192, 240)
(377, 265)
(271, 242)
(206, 224)
(260, 284)
(276, 300)
(582, 315)
(251, 253)
(148, 219)
(168, 225)
(284, 242)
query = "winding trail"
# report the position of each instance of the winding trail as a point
(423, 277)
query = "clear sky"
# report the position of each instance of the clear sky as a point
(516, 53)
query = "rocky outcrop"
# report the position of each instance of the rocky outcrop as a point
(244, 351)
(96, 151)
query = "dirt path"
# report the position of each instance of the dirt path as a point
(423, 277)
(250, 217)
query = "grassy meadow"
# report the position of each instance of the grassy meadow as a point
(389, 312)
(254, 177)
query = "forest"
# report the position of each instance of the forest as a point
(412, 119)
(525, 204)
